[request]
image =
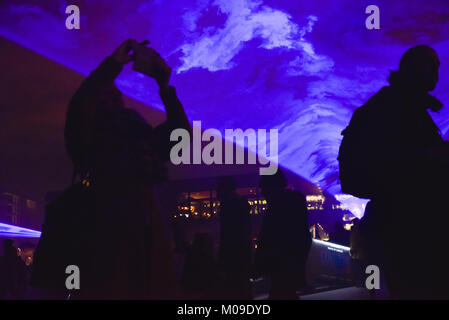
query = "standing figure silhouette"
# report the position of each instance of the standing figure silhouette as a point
(235, 241)
(392, 153)
(121, 158)
(284, 239)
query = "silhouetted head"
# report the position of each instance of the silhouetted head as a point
(226, 187)
(418, 69)
(272, 184)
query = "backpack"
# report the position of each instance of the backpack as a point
(67, 237)
(357, 157)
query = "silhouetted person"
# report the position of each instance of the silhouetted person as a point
(199, 278)
(120, 157)
(13, 273)
(284, 240)
(392, 153)
(340, 235)
(235, 241)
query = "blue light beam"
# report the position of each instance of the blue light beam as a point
(7, 230)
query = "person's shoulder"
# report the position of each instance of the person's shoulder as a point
(375, 102)
(385, 93)
(373, 110)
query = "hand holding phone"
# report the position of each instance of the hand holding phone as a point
(123, 54)
(149, 62)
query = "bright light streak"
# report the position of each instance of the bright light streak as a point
(7, 230)
(331, 245)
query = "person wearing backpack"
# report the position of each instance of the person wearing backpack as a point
(393, 154)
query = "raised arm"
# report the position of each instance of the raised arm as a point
(96, 91)
(149, 62)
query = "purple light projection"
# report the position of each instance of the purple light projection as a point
(299, 66)
(10, 231)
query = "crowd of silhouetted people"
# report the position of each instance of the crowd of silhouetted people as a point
(283, 245)
(392, 153)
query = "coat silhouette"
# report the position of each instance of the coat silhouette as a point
(284, 240)
(398, 159)
(235, 241)
(120, 157)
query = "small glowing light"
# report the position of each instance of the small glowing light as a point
(315, 198)
(348, 226)
(86, 183)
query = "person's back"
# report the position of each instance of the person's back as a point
(234, 254)
(390, 139)
(199, 277)
(389, 154)
(285, 228)
(284, 240)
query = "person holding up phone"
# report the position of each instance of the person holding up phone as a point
(119, 156)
